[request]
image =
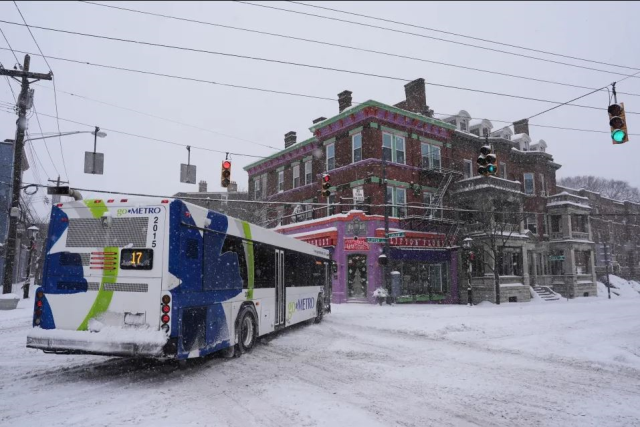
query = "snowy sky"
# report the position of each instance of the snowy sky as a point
(138, 165)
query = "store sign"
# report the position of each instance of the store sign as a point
(320, 241)
(422, 242)
(356, 245)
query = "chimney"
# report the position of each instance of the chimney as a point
(344, 100)
(202, 187)
(521, 126)
(319, 119)
(233, 187)
(289, 139)
(416, 96)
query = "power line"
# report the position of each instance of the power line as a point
(320, 67)
(195, 21)
(53, 80)
(14, 55)
(465, 36)
(156, 139)
(429, 37)
(162, 118)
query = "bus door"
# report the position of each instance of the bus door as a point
(281, 297)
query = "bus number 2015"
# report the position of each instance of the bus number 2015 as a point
(155, 231)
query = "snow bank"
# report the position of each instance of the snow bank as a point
(9, 296)
(622, 288)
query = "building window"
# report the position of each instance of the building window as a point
(430, 156)
(544, 225)
(510, 262)
(542, 186)
(583, 262)
(463, 125)
(331, 157)
(393, 148)
(579, 223)
(296, 176)
(503, 170)
(331, 205)
(556, 223)
(280, 181)
(307, 172)
(485, 132)
(532, 224)
(529, 184)
(279, 215)
(257, 193)
(468, 169)
(427, 199)
(356, 146)
(263, 186)
(397, 197)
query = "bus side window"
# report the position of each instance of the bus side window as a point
(234, 244)
(192, 249)
(264, 266)
(221, 266)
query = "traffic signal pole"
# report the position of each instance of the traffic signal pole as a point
(24, 103)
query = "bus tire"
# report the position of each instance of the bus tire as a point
(246, 331)
(319, 310)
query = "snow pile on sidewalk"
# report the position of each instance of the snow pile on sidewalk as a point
(622, 288)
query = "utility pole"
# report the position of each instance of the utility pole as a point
(24, 103)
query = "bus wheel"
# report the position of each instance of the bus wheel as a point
(247, 332)
(319, 310)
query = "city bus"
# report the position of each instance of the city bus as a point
(168, 279)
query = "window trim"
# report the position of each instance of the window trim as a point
(333, 147)
(353, 147)
(309, 173)
(533, 182)
(280, 181)
(394, 150)
(296, 168)
(464, 172)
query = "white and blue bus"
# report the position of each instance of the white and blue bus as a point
(170, 279)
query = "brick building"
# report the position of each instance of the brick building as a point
(431, 182)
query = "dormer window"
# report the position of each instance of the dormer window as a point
(485, 132)
(463, 125)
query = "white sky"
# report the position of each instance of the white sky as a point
(598, 31)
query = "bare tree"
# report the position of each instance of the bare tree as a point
(611, 188)
(492, 223)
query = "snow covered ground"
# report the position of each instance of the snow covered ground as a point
(560, 363)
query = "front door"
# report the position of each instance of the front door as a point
(357, 276)
(281, 297)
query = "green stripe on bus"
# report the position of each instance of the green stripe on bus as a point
(249, 255)
(103, 299)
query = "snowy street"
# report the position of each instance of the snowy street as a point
(574, 363)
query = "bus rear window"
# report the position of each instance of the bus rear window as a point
(136, 259)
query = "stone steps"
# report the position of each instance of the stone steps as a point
(546, 293)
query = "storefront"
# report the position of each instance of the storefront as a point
(428, 269)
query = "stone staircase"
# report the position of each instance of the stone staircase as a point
(546, 293)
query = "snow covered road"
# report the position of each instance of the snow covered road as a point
(561, 363)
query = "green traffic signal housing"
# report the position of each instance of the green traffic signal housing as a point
(487, 161)
(618, 123)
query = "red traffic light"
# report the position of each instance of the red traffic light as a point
(326, 178)
(226, 164)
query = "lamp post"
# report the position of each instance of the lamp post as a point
(468, 256)
(33, 233)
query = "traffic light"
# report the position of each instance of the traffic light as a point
(618, 123)
(487, 161)
(326, 184)
(225, 176)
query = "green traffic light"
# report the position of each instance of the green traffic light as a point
(491, 169)
(618, 135)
